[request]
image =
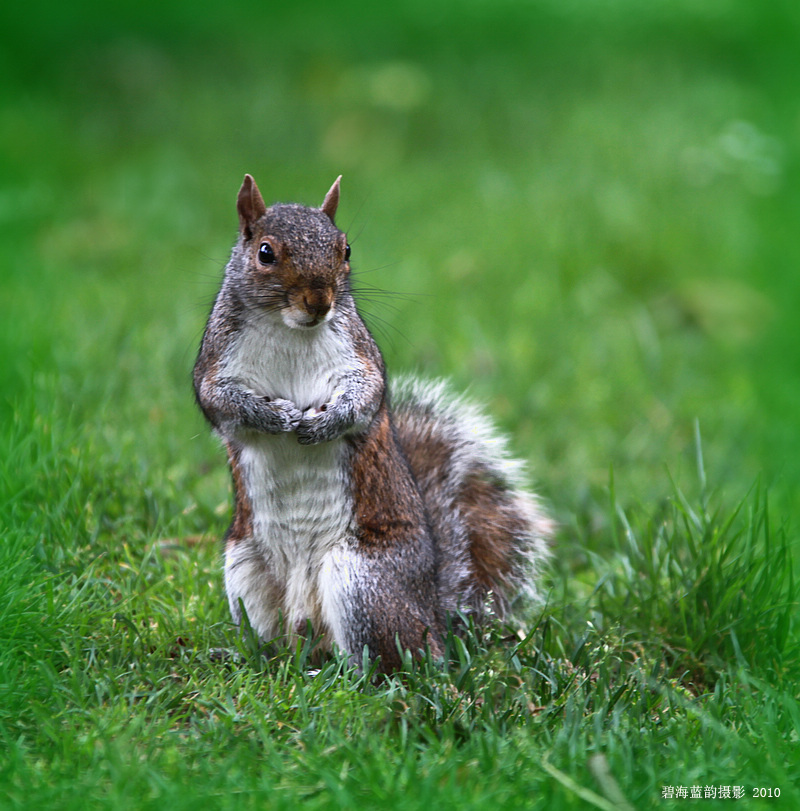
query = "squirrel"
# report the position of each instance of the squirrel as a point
(370, 523)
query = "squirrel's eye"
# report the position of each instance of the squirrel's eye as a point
(265, 254)
(347, 252)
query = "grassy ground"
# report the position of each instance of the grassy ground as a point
(587, 211)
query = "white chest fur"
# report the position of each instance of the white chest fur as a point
(295, 564)
(300, 365)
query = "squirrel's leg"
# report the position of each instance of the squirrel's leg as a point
(388, 619)
(393, 591)
(368, 602)
(250, 582)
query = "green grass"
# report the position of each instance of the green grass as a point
(587, 212)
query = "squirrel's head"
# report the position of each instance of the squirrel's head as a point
(293, 259)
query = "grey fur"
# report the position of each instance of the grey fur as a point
(369, 523)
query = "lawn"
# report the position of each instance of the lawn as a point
(584, 214)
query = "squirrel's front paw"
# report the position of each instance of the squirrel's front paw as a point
(315, 426)
(311, 430)
(284, 415)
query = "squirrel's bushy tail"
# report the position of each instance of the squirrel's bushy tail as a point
(491, 533)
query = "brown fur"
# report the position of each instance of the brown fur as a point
(493, 522)
(381, 480)
(242, 526)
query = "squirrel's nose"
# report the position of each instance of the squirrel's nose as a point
(317, 303)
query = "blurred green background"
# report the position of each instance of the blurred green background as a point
(588, 211)
(585, 213)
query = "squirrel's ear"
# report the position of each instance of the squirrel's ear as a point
(250, 205)
(331, 201)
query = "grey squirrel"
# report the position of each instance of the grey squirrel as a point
(368, 522)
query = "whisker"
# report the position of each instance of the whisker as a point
(383, 304)
(386, 329)
(362, 271)
(378, 294)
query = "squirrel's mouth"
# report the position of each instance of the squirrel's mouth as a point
(308, 308)
(296, 318)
